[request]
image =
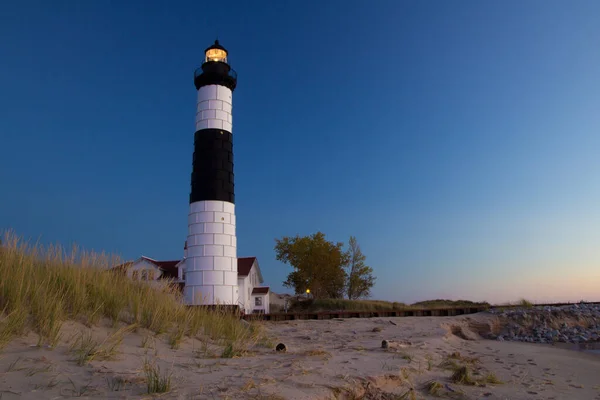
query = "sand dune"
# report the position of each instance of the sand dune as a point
(324, 360)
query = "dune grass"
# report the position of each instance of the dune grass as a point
(41, 288)
(157, 381)
(315, 305)
(441, 303)
(525, 303)
(344, 304)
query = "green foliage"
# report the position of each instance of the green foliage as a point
(314, 305)
(345, 305)
(319, 265)
(525, 303)
(360, 276)
(325, 267)
(439, 303)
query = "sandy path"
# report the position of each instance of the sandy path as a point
(324, 359)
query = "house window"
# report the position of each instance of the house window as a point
(144, 275)
(258, 301)
(183, 275)
(136, 275)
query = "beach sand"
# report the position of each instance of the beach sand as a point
(327, 359)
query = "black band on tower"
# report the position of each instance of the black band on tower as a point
(212, 171)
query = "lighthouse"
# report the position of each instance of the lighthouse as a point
(210, 255)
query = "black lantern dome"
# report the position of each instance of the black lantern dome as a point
(215, 53)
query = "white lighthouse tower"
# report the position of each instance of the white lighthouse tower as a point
(211, 248)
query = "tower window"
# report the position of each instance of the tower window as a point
(258, 301)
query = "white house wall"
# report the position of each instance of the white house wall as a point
(265, 303)
(243, 297)
(246, 285)
(143, 265)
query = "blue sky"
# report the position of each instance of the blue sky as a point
(458, 141)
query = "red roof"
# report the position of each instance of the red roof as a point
(260, 290)
(245, 265)
(167, 267)
(170, 267)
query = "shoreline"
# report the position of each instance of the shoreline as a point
(587, 348)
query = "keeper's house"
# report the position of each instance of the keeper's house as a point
(253, 297)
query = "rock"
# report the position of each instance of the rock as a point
(535, 325)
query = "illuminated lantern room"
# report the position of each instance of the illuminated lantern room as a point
(216, 53)
(215, 69)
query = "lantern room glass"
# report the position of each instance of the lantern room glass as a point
(216, 55)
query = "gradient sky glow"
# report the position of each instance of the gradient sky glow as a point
(458, 141)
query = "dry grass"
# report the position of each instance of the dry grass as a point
(248, 385)
(492, 378)
(462, 376)
(434, 387)
(442, 303)
(525, 303)
(377, 305)
(116, 383)
(345, 305)
(410, 394)
(11, 325)
(156, 381)
(318, 353)
(86, 348)
(449, 364)
(468, 360)
(462, 373)
(41, 288)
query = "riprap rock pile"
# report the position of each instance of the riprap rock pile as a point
(575, 323)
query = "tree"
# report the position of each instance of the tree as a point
(319, 265)
(360, 277)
